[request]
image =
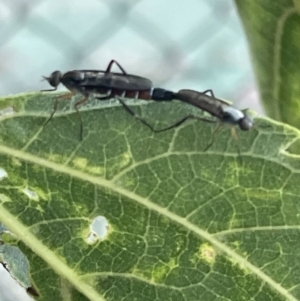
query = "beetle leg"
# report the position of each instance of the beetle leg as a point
(108, 69)
(78, 103)
(176, 124)
(61, 97)
(209, 91)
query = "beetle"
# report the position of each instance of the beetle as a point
(105, 85)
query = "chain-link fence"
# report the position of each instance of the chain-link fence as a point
(178, 44)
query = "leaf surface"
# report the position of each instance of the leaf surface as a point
(183, 224)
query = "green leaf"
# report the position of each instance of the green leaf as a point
(273, 30)
(16, 263)
(183, 224)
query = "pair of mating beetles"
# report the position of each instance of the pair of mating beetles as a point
(105, 85)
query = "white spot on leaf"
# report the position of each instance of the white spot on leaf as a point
(98, 229)
(31, 194)
(7, 111)
(3, 174)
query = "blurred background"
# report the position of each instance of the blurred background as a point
(196, 44)
(177, 44)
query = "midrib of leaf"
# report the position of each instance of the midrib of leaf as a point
(24, 234)
(277, 113)
(62, 269)
(261, 228)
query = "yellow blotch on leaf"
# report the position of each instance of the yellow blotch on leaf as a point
(83, 164)
(161, 270)
(207, 253)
